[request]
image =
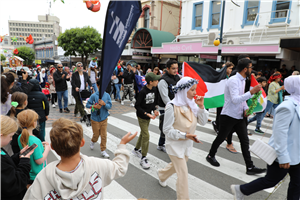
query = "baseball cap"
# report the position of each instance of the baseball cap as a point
(151, 77)
(119, 67)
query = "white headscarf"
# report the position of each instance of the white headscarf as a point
(292, 86)
(42, 75)
(181, 98)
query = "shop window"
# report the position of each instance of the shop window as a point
(281, 11)
(197, 16)
(146, 18)
(214, 15)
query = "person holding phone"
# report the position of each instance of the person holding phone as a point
(28, 121)
(181, 117)
(15, 169)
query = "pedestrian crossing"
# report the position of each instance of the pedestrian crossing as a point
(205, 181)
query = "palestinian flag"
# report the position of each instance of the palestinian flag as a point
(262, 100)
(214, 82)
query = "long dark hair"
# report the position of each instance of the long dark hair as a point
(4, 89)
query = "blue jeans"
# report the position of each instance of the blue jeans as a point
(269, 106)
(42, 131)
(63, 94)
(94, 85)
(259, 117)
(118, 88)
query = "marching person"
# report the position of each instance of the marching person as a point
(233, 112)
(128, 76)
(93, 73)
(165, 94)
(181, 117)
(286, 142)
(42, 78)
(79, 80)
(61, 77)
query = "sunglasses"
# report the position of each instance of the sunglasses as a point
(59, 67)
(79, 66)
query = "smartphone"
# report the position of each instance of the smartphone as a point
(28, 150)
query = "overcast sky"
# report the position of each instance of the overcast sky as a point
(72, 13)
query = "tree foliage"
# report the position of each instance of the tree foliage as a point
(80, 42)
(27, 54)
(3, 58)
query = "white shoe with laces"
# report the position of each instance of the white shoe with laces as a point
(92, 145)
(56, 104)
(163, 184)
(237, 194)
(144, 163)
(104, 154)
(53, 106)
(122, 103)
(137, 153)
(132, 104)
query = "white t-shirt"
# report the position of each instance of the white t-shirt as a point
(82, 86)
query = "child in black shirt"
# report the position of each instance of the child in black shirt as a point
(145, 104)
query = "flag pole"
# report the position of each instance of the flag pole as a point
(219, 58)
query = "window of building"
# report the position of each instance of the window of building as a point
(5, 41)
(42, 25)
(197, 16)
(214, 15)
(251, 9)
(147, 18)
(281, 11)
(43, 30)
(51, 26)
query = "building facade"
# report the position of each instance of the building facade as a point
(46, 27)
(46, 51)
(257, 28)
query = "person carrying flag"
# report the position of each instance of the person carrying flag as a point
(233, 112)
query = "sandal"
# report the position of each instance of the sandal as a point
(232, 150)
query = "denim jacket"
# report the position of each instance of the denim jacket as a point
(104, 109)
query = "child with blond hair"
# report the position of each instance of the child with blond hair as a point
(14, 169)
(28, 121)
(77, 176)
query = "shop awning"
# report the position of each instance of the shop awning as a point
(145, 38)
(291, 44)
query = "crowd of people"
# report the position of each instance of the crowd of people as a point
(25, 109)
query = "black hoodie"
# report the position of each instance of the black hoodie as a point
(14, 176)
(38, 101)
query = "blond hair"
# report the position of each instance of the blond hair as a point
(66, 137)
(26, 120)
(8, 125)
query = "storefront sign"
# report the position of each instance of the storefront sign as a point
(205, 56)
(38, 62)
(136, 53)
(198, 48)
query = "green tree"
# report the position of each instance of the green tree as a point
(27, 54)
(80, 42)
(3, 58)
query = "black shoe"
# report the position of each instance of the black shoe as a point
(66, 110)
(60, 110)
(82, 119)
(212, 161)
(75, 115)
(215, 127)
(254, 170)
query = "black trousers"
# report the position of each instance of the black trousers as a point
(273, 176)
(227, 124)
(53, 98)
(229, 137)
(162, 137)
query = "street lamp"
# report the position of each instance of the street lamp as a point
(216, 43)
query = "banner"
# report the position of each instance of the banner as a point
(121, 18)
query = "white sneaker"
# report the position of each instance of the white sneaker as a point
(92, 145)
(161, 148)
(163, 184)
(104, 154)
(237, 194)
(122, 103)
(137, 153)
(144, 163)
(53, 106)
(56, 104)
(132, 104)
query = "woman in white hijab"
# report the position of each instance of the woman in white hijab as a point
(180, 121)
(43, 78)
(286, 142)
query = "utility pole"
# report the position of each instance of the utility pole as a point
(219, 58)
